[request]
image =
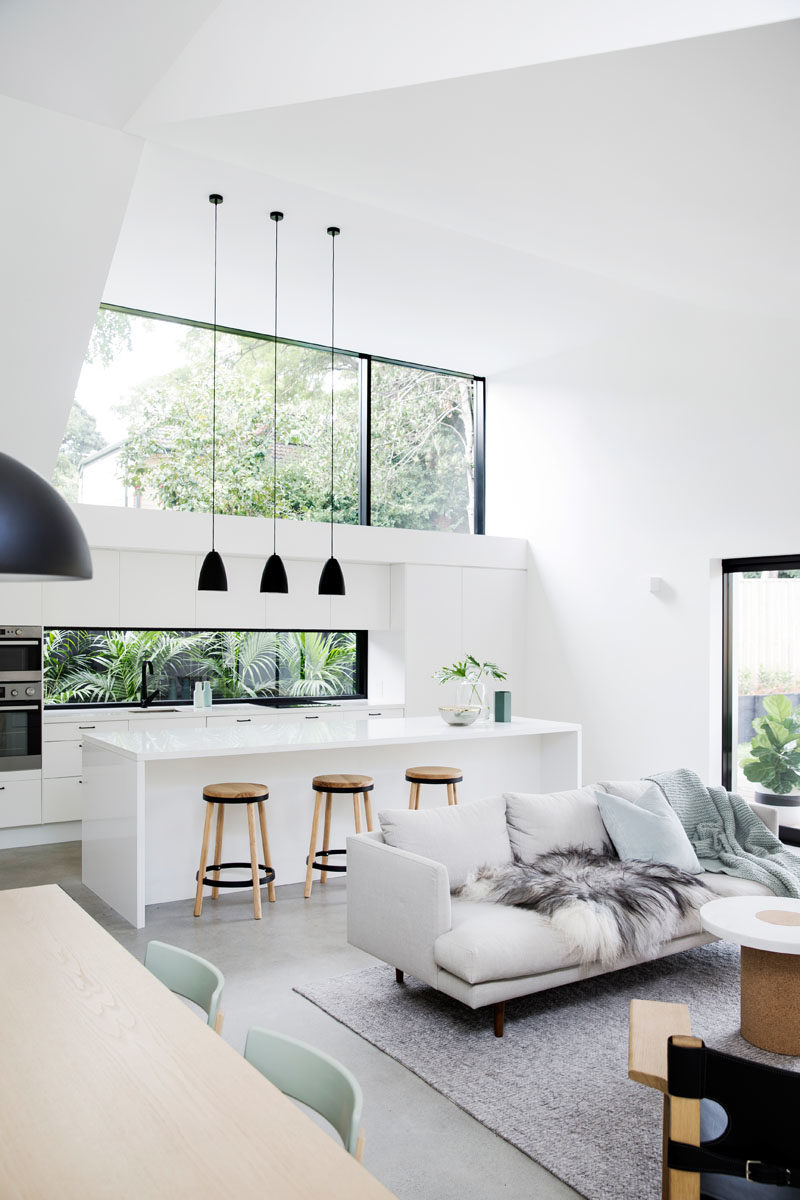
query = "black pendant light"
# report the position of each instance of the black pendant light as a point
(212, 576)
(331, 581)
(40, 537)
(273, 577)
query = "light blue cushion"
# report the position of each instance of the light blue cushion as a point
(648, 830)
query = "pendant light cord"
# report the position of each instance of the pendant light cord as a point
(332, 231)
(216, 203)
(275, 394)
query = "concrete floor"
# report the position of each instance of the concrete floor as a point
(420, 1145)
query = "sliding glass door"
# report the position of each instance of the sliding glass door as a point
(761, 672)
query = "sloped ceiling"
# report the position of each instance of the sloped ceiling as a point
(527, 171)
(253, 55)
(653, 144)
(672, 168)
(146, 63)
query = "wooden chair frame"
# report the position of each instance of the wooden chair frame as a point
(652, 1023)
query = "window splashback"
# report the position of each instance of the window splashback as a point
(104, 666)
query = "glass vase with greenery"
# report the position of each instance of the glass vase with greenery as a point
(469, 675)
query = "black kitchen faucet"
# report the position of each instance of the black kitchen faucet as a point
(146, 700)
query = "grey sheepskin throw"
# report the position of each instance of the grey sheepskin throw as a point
(604, 908)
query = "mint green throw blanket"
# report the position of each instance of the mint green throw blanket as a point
(728, 837)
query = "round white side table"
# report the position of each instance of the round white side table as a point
(768, 930)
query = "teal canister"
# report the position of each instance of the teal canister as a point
(502, 706)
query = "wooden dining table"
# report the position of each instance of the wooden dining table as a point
(112, 1087)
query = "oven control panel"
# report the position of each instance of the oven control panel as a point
(20, 690)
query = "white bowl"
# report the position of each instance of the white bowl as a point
(460, 714)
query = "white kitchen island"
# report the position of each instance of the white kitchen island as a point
(143, 807)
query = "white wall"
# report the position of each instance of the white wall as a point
(65, 189)
(653, 454)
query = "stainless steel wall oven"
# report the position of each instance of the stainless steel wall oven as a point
(20, 727)
(20, 653)
(20, 698)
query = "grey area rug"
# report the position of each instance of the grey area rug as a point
(556, 1086)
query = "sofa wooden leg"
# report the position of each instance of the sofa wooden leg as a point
(398, 974)
(499, 1017)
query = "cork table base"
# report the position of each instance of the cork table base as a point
(771, 1000)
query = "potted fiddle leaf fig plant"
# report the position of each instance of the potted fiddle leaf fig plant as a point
(774, 759)
(468, 675)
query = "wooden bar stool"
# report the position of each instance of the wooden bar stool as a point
(416, 776)
(330, 786)
(253, 795)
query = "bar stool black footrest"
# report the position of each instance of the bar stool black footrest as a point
(267, 877)
(319, 866)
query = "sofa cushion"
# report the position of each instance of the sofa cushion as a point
(629, 789)
(732, 885)
(489, 941)
(648, 830)
(462, 836)
(539, 823)
(492, 941)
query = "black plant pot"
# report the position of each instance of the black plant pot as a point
(777, 801)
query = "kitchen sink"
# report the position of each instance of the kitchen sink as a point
(155, 711)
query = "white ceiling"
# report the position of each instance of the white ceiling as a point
(95, 59)
(649, 143)
(672, 167)
(253, 55)
(514, 180)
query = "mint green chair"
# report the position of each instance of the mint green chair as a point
(188, 975)
(313, 1078)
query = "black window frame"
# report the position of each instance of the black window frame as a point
(731, 567)
(361, 672)
(364, 405)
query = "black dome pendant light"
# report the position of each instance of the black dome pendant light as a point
(273, 577)
(331, 581)
(40, 537)
(212, 576)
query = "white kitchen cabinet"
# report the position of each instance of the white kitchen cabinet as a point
(62, 763)
(166, 721)
(494, 611)
(301, 607)
(20, 801)
(72, 731)
(243, 606)
(157, 591)
(61, 758)
(366, 604)
(87, 603)
(20, 604)
(219, 719)
(433, 611)
(62, 800)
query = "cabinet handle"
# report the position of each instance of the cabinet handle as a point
(377, 714)
(87, 727)
(2, 787)
(243, 720)
(314, 718)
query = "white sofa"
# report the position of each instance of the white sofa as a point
(400, 909)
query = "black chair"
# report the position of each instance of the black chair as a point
(730, 1124)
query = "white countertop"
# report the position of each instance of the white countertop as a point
(282, 736)
(186, 709)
